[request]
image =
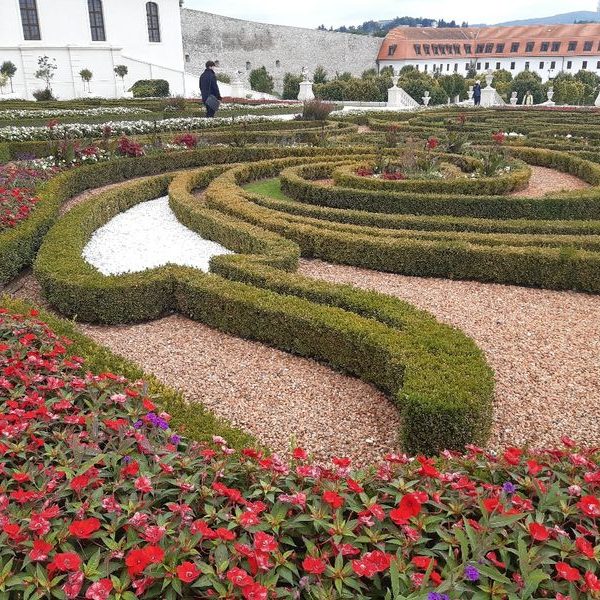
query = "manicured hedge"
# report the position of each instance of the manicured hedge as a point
(438, 376)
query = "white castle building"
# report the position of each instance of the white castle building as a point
(96, 35)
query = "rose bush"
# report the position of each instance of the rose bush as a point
(100, 499)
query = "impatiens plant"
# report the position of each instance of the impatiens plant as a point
(100, 499)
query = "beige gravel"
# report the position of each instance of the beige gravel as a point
(544, 347)
(549, 181)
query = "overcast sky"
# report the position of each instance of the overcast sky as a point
(311, 13)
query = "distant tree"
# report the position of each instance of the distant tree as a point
(454, 85)
(568, 90)
(261, 81)
(321, 28)
(86, 76)
(528, 80)
(591, 83)
(121, 71)
(46, 70)
(502, 80)
(345, 76)
(291, 86)
(8, 69)
(320, 75)
(369, 73)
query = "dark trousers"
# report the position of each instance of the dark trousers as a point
(477, 100)
(210, 112)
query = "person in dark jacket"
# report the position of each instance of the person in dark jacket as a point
(209, 88)
(477, 93)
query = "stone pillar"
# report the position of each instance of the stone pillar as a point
(597, 103)
(514, 99)
(306, 91)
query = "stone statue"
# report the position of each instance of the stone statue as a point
(305, 76)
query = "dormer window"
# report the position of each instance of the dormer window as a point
(417, 48)
(392, 49)
(545, 46)
(499, 48)
(514, 47)
(529, 46)
(479, 48)
(30, 20)
(555, 46)
(587, 46)
(427, 48)
(468, 48)
(489, 48)
(572, 46)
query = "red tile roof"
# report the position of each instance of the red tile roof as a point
(404, 41)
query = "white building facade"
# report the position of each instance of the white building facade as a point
(545, 49)
(96, 35)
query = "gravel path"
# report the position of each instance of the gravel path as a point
(547, 181)
(544, 347)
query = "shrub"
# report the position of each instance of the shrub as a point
(121, 71)
(150, 88)
(261, 81)
(44, 95)
(189, 140)
(120, 503)
(317, 110)
(223, 78)
(174, 104)
(291, 86)
(127, 147)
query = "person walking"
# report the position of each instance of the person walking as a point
(477, 93)
(209, 89)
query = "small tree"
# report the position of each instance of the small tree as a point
(261, 81)
(291, 86)
(121, 71)
(8, 69)
(320, 75)
(46, 70)
(3, 81)
(86, 76)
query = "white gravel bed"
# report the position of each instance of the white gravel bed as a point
(148, 236)
(544, 347)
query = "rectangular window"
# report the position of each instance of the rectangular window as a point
(587, 46)
(468, 48)
(598, 65)
(426, 68)
(527, 66)
(553, 64)
(512, 66)
(498, 66)
(555, 46)
(448, 67)
(514, 47)
(499, 48)
(529, 46)
(436, 50)
(487, 66)
(584, 64)
(417, 48)
(456, 67)
(569, 64)
(30, 20)
(96, 20)
(572, 46)
(479, 49)
(427, 48)
(392, 50)
(456, 48)
(545, 47)
(541, 65)
(489, 48)
(479, 66)
(443, 50)
(153, 22)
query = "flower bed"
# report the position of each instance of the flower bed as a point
(53, 113)
(100, 499)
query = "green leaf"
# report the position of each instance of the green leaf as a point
(532, 582)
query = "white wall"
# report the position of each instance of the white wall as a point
(448, 64)
(66, 36)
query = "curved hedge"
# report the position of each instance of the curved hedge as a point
(438, 377)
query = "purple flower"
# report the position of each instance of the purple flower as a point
(509, 488)
(127, 459)
(437, 596)
(138, 424)
(175, 439)
(471, 573)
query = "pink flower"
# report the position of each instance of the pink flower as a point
(100, 590)
(143, 484)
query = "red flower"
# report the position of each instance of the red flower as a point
(155, 554)
(585, 547)
(432, 143)
(539, 532)
(592, 582)
(100, 590)
(315, 566)
(131, 469)
(409, 506)
(364, 568)
(493, 558)
(423, 562)
(255, 591)
(40, 550)
(499, 137)
(333, 499)
(239, 578)
(265, 543)
(67, 561)
(73, 585)
(300, 454)
(136, 560)
(590, 506)
(188, 572)
(84, 529)
(565, 571)
(513, 456)
(143, 484)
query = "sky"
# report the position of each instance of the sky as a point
(312, 13)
